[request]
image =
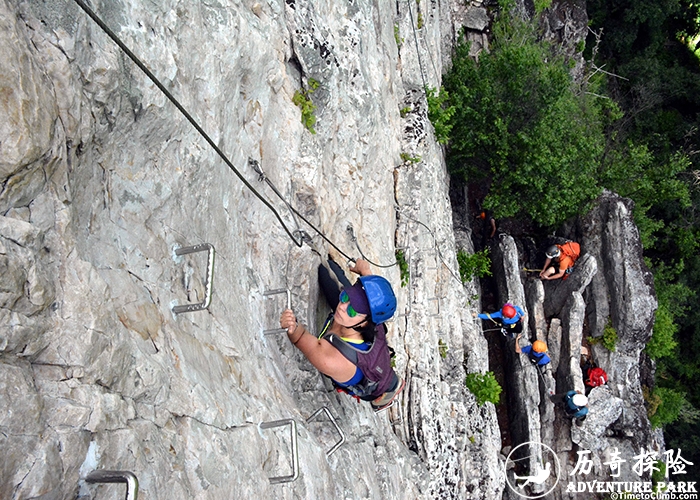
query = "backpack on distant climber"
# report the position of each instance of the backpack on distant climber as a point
(596, 377)
(571, 249)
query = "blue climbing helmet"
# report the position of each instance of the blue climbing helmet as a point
(381, 298)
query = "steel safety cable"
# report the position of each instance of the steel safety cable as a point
(415, 38)
(430, 54)
(228, 162)
(184, 112)
(435, 244)
(255, 165)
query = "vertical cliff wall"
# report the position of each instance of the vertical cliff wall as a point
(102, 180)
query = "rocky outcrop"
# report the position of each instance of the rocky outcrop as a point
(521, 375)
(557, 292)
(621, 295)
(610, 276)
(102, 180)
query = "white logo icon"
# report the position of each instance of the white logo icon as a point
(544, 475)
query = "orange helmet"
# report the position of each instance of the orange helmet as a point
(508, 311)
(539, 346)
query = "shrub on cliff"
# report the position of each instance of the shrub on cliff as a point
(485, 387)
(517, 117)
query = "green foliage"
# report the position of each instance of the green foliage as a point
(520, 120)
(608, 339)
(673, 298)
(407, 158)
(440, 113)
(403, 267)
(485, 387)
(668, 404)
(302, 98)
(633, 171)
(541, 5)
(662, 342)
(477, 264)
(405, 111)
(420, 22)
(443, 348)
(658, 474)
(397, 36)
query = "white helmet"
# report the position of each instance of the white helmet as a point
(580, 400)
(553, 252)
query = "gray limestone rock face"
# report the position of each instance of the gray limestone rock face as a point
(569, 375)
(521, 375)
(557, 291)
(624, 282)
(103, 180)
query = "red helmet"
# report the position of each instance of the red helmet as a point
(508, 311)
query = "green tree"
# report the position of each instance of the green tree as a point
(520, 120)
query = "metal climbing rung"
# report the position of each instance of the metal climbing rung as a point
(437, 301)
(335, 424)
(434, 252)
(117, 476)
(210, 277)
(289, 306)
(295, 451)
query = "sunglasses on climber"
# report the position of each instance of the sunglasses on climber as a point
(345, 299)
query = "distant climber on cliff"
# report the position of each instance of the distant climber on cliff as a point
(489, 223)
(562, 259)
(595, 377)
(351, 348)
(509, 319)
(536, 353)
(576, 405)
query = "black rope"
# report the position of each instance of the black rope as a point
(228, 162)
(189, 117)
(256, 166)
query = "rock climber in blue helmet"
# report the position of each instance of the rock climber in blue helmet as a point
(351, 348)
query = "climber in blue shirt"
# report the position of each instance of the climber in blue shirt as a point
(575, 405)
(536, 353)
(509, 318)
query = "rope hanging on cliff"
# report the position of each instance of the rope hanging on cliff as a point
(292, 234)
(430, 54)
(415, 39)
(254, 164)
(184, 112)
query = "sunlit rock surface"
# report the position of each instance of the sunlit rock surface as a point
(103, 179)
